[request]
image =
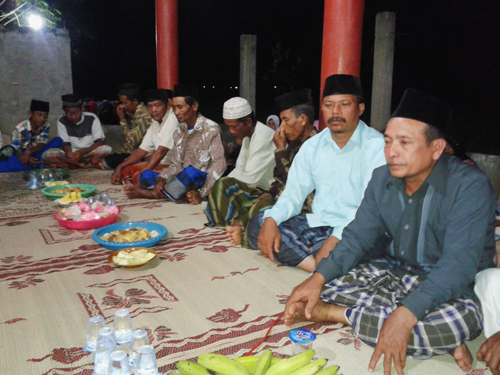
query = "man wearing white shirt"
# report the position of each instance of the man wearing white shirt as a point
(337, 164)
(157, 142)
(255, 162)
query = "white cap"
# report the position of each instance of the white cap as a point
(236, 108)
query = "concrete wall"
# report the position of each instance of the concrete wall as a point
(33, 65)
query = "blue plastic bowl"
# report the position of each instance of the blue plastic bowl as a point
(124, 226)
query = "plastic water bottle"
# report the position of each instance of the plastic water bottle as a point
(51, 176)
(32, 182)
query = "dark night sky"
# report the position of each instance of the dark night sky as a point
(450, 48)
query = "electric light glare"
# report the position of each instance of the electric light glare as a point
(35, 21)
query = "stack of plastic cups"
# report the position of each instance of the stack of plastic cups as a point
(123, 326)
(139, 338)
(104, 348)
(107, 333)
(145, 362)
(118, 363)
(95, 324)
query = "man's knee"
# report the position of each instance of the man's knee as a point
(254, 229)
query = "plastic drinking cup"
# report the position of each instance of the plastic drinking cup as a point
(95, 324)
(118, 363)
(107, 333)
(139, 338)
(104, 348)
(123, 326)
(145, 362)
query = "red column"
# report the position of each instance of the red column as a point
(342, 32)
(167, 45)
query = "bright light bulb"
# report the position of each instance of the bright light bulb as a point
(35, 21)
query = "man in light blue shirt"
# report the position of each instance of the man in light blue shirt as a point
(337, 164)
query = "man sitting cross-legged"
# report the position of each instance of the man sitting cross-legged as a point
(82, 136)
(438, 217)
(156, 144)
(30, 140)
(197, 155)
(135, 121)
(337, 164)
(232, 202)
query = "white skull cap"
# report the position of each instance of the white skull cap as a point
(236, 108)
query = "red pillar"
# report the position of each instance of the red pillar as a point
(167, 45)
(342, 32)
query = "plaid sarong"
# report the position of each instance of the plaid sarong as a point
(231, 200)
(371, 292)
(298, 240)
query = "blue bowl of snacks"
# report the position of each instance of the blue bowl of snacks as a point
(130, 234)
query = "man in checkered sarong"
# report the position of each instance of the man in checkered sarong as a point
(436, 215)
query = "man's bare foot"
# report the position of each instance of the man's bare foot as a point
(322, 312)
(233, 233)
(463, 357)
(132, 191)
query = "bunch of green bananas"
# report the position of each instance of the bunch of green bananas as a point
(300, 364)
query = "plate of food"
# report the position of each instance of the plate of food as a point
(133, 257)
(102, 218)
(55, 183)
(59, 191)
(130, 234)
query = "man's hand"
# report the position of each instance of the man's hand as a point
(279, 138)
(116, 177)
(25, 157)
(393, 340)
(269, 238)
(193, 197)
(309, 291)
(325, 249)
(120, 111)
(33, 162)
(158, 188)
(490, 353)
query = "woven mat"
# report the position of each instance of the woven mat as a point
(202, 295)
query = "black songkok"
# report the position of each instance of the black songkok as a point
(39, 105)
(71, 100)
(186, 90)
(423, 107)
(292, 99)
(156, 94)
(343, 84)
(170, 94)
(131, 90)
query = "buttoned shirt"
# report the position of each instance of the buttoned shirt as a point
(339, 177)
(161, 135)
(134, 129)
(23, 136)
(255, 162)
(444, 231)
(200, 147)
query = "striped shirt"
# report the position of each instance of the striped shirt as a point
(23, 137)
(81, 135)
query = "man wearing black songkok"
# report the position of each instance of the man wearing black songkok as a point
(437, 217)
(29, 141)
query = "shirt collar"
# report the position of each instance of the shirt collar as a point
(198, 126)
(437, 178)
(355, 139)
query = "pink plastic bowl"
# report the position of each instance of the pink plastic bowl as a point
(91, 224)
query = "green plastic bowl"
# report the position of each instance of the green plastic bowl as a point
(64, 172)
(87, 190)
